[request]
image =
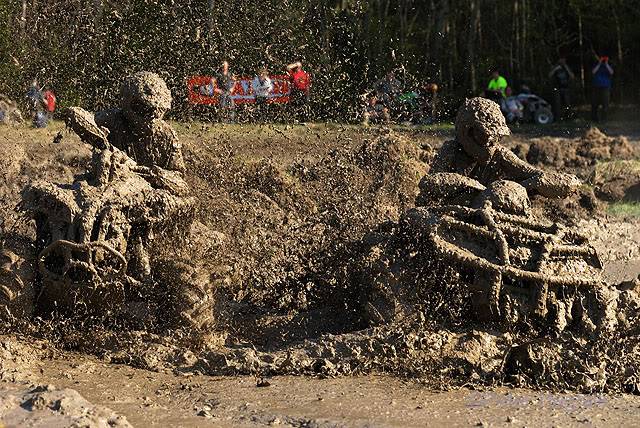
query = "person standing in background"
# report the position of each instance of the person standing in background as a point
(224, 85)
(601, 91)
(497, 84)
(561, 77)
(262, 88)
(36, 104)
(300, 84)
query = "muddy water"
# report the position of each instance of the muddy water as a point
(166, 399)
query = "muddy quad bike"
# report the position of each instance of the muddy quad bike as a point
(535, 109)
(95, 241)
(522, 268)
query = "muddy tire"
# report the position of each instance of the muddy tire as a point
(16, 287)
(190, 303)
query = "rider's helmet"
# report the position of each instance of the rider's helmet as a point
(145, 96)
(479, 127)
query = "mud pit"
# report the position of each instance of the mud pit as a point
(282, 228)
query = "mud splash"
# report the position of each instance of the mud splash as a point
(295, 252)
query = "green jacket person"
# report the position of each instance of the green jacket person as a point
(497, 83)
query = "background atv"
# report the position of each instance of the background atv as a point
(536, 109)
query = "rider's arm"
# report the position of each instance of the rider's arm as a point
(515, 168)
(548, 184)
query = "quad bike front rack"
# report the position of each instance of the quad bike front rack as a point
(466, 235)
(77, 262)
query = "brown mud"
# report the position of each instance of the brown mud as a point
(163, 398)
(577, 154)
(288, 221)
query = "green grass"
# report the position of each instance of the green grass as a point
(624, 209)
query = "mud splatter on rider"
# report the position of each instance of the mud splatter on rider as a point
(476, 152)
(138, 127)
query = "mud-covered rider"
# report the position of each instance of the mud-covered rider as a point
(138, 127)
(136, 137)
(476, 154)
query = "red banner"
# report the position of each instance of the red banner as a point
(202, 91)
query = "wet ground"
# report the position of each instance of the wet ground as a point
(159, 399)
(145, 398)
(166, 397)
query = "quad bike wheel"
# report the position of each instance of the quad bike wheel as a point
(543, 116)
(190, 302)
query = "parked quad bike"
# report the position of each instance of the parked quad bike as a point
(99, 242)
(535, 108)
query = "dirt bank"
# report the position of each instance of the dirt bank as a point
(287, 220)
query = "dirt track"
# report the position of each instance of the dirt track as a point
(349, 401)
(147, 398)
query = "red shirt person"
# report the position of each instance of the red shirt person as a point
(50, 100)
(300, 83)
(300, 80)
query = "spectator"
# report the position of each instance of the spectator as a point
(512, 106)
(49, 106)
(561, 77)
(262, 88)
(427, 101)
(388, 88)
(300, 83)
(50, 101)
(224, 85)
(602, 74)
(36, 104)
(497, 86)
(375, 112)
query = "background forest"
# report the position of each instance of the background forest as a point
(82, 49)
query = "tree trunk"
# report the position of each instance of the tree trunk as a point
(581, 44)
(23, 20)
(619, 85)
(474, 22)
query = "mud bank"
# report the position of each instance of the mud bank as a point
(292, 244)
